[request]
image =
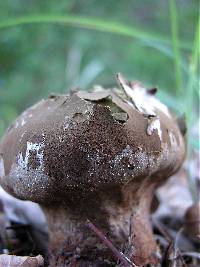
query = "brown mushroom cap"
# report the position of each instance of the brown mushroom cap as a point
(85, 141)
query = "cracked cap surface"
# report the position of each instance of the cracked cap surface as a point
(84, 141)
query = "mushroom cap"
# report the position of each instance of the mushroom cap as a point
(86, 141)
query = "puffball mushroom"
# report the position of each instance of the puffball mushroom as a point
(96, 156)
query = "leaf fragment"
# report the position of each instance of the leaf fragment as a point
(19, 261)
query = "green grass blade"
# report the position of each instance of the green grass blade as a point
(194, 64)
(175, 42)
(196, 51)
(190, 97)
(92, 24)
(193, 85)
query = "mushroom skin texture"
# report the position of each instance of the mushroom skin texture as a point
(96, 156)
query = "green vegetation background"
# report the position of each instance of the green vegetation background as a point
(42, 58)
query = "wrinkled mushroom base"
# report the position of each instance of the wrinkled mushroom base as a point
(121, 213)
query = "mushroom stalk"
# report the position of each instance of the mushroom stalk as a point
(122, 213)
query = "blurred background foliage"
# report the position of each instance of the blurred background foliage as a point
(42, 58)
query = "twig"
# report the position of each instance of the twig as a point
(166, 255)
(118, 254)
(162, 229)
(173, 244)
(176, 251)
